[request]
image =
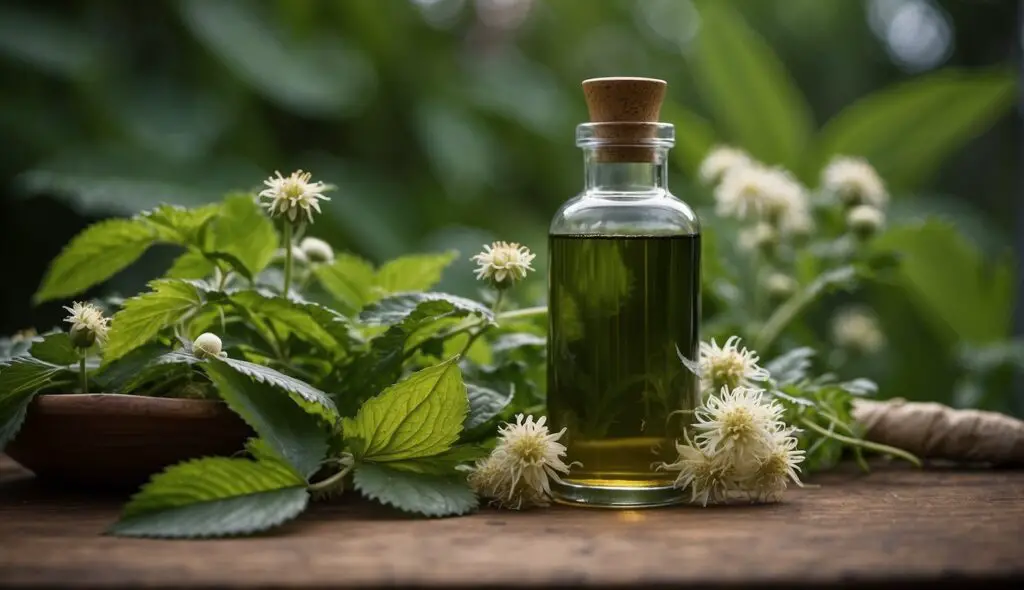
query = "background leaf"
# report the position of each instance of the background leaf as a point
(484, 404)
(243, 230)
(430, 495)
(416, 272)
(214, 497)
(349, 279)
(143, 317)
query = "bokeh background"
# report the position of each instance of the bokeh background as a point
(449, 123)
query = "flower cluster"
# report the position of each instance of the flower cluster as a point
(294, 194)
(727, 366)
(518, 471)
(503, 263)
(88, 326)
(742, 446)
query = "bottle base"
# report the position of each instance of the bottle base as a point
(609, 496)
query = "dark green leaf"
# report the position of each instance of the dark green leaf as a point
(430, 495)
(484, 404)
(297, 436)
(308, 397)
(398, 308)
(20, 379)
(418, 272)
(214, 497)
(161, 367)
(56, 349)
(418, 417)
(297, 317)
(243, 231)
(143, 317)
(94, 256)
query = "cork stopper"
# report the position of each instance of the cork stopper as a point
(631, 105)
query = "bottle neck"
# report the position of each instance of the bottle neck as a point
(602, 176)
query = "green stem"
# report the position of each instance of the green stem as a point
(485, 327)
(287, 257)
(326, 483)
(81, 369)
(782, 317)
(523, 313)
(864, 444)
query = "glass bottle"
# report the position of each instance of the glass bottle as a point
(624, 301)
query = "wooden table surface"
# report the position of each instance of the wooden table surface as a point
(894, 527)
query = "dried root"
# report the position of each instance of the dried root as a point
(935, 431)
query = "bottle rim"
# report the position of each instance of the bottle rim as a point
(625, 134)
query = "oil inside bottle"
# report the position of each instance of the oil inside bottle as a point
(620, 308)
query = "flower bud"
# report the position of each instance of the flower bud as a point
(207, 345)
(82, 337)
(298, 255)
(317, 250)
(780, 286)
(865, 220)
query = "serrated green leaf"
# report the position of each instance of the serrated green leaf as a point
(214, 497)
(190, 265)
(243, 231)
(295, 435)
(445, 464)
(159, 367)
(21, 378)
(430, 495)
(418, 417)
(95, 255)
(907, 130)
(56, 349)
(417, 272)
(178, 225)
(748, 89)
(297, 317)
(398, 308)
(349, 279)
(308, 397)
(143, 317)
(484, 404)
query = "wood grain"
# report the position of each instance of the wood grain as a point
(895, 527)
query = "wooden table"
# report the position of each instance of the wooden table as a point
(894, 527)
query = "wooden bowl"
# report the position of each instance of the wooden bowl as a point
(113, 441)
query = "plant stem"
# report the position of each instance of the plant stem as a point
(287, 257)
(326, 483)
(523, 313)
(480, 332)
(871, 446)
(81, 369)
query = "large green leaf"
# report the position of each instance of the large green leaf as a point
(242, 230)
(143, 317)
(312, 399)
(297, 436)
(417, 272)
(430, 495)
(179, 225)
(307, 321)
(484, 404)
(964, 295)
(56, 349)
(906, 131)
(190, 265)
(94, 256)
(747, 88)
(418, 417)
(213, 497)
(349, 279)
(20, 379)
(397, 309)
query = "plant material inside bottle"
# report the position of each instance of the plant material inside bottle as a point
(620, 309)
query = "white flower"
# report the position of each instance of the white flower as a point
(720, 161)
(503, 261)
(857, 329)
(756, 191)
(207, 345)
(797, 222)
(289, 194)
(726, 366)
(519, 469)
(739, 422)
(762, 236)
(316, 250)
(298, 255)
(854, 181)
(780, 285)
(772, 472)
(88, 325)
(865, 220)
(707, 475)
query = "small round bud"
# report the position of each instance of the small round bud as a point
(82, 337)
(780, 286)
(317, 250)
(298, 255)
(865, 220)
(207, 345)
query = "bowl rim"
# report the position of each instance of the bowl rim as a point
(120, 404)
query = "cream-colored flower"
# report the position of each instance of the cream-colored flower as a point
(726, 366)
(756, 191)
(738, 422)
(772, 472)
(706, 475)
(503, 262)
(294, 195)
(316, 250)
(854, 181)
(865, 220)
(797, 222)
(88, 326)
(762, 236)
(519, 469)
(857, 328)
(720, 161)
(207, 345)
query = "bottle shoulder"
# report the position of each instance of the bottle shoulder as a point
(657, 214)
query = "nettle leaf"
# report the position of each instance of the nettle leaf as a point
(418, 417)
(242, 230)
(307, 321)
(349, 279)
(142, 318)
(160, 367)
(418, 493)
(417, 272)
(295, 435)
(212, 497)
(21, 378)
(305, 395)
(445, 464)
(396, 309)
(179, 225)
(190, 265)
(56, 349)
(484, 403)
(792, 366)
(94, 256)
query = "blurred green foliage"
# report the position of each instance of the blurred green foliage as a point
(448, 123)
